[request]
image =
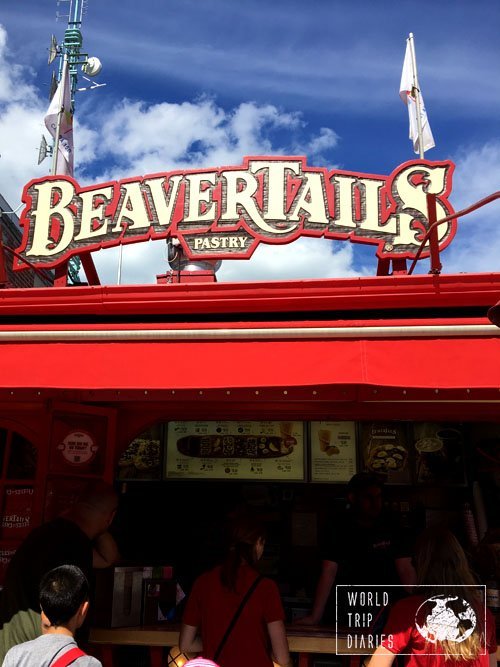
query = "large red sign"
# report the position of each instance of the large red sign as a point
(226, 212)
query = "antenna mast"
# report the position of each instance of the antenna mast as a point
(73, 42)
(70, 50)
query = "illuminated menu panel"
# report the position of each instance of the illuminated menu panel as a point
(333, 451)
(248, 450)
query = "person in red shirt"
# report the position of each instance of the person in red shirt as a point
(446, 623)
(258, 636)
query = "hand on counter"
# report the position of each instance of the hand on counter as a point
(105, 552)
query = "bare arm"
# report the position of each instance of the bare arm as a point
(493, 660)
(323, 589)
(406, 572)
(382, 658)
(105, 552)
(279, 643)
(189, 640)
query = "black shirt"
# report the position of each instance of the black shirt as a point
(58, 542)
(366, 554)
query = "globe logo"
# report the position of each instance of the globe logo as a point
(445, 618)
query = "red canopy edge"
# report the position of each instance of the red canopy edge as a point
(451, 363)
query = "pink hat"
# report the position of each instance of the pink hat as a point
(200, 662)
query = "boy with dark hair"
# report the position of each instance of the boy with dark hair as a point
(64, 602)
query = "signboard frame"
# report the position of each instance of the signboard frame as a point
(210, 475)
(330, 443)
(225, 213)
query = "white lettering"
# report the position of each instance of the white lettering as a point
(344, 205)
(269, 196)
(163, 206)
(276, 185)
(352, 597)
(243, 197)
(413, 201)
(371, 208)
(197, 197)
(43, 244)
(131, 208)
(311, 200)
(90, 212)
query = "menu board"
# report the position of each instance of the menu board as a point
(235, 450)
(385, 451)
(439, 453)
(142, 458)
(333, 451)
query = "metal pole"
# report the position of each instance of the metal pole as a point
(55, 152)
(436, 265)
(416, 91)
(120, 260)
(450, 218)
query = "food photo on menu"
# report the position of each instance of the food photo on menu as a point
(333, 451)
(142, 458)
(384, 447)
(439, 453)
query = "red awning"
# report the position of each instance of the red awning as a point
(450, 363)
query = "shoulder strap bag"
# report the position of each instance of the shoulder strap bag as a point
(68, 657)
(236, 616)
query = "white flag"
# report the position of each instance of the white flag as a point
(61, 104)
(407, 92)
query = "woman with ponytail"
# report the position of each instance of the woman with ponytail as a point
(451, 630)
(237, 612)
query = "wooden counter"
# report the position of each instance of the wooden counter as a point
(308, 640)
(301, 640)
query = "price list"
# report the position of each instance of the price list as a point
(333, 451)
(235, 450)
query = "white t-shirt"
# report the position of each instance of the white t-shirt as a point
(44, 651)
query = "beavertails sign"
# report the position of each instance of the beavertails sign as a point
(227, 212)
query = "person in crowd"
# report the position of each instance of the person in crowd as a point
(255, 637)
(78, 537)
(64, 602)
(435, 627)
(364, 548)
(200, 662)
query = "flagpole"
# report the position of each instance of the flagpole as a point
(55, 152)
(417, 95)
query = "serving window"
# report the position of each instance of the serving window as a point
(175, 497)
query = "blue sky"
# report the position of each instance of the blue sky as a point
(203, 83)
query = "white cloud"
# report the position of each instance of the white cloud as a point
(476, 247)
(305, 258)
(21, 121)
(140, 138)
(137, 138)
(12, 86)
